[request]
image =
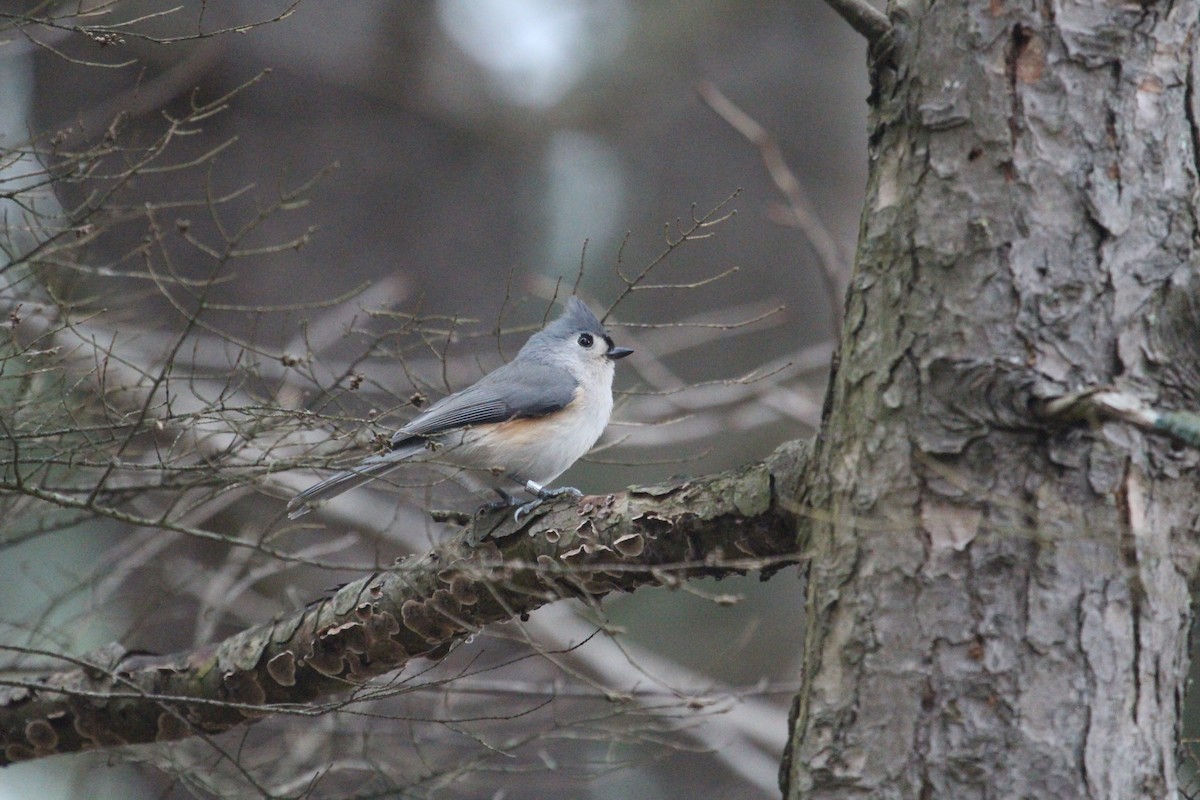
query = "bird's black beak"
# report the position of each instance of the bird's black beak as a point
(615, 353)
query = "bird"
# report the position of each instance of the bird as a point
(523, 424)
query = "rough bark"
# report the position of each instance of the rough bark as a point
(998, 608)
(498, 570)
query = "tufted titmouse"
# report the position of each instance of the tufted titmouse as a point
(525, 423)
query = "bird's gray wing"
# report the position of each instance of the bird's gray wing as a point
(517, 390)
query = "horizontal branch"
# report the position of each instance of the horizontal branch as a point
(1098, 403)
(497, 570)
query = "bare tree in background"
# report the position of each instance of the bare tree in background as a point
(995, 520)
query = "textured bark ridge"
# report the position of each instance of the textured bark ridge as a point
(652, 535)
(997, 609)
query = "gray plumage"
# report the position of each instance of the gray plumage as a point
(554, 377)
(516, 390)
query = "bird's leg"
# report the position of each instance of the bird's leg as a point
(542, 494)
(506, 500)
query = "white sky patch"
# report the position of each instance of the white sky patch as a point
(535, 49)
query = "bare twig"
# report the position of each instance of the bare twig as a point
(834, 265)
(695, 229)
(1107, 403)
(872, 24)
(752, 733)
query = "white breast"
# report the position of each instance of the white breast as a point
(538, 449)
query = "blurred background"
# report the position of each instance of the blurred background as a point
(454, 164)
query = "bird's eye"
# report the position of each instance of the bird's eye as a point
(586, 340)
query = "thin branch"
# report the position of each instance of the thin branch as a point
(753, 731)
(1104, 403)
(695, 230)
(872, 24)
(834, 265)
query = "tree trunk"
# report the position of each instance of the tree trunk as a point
(998, 607)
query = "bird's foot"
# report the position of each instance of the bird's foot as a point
(505, 500)
(543, 494)
(569, 491)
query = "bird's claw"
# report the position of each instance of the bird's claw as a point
(526, 508)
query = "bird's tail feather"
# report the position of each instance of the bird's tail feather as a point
(367, 470)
